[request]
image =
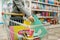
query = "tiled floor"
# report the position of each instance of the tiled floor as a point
(3, 34)
(53, 34)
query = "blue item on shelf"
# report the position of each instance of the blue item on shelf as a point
(43, 0)
(40, 6)
(51, 1)
(43, 6)
(55, 13)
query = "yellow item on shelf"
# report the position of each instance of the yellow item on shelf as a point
(27, 22)
(42, 19)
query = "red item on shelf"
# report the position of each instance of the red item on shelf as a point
(53, 21)
(46, 14)
(55, 3)
(43, 13)
(48, 20)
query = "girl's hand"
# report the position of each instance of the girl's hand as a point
(31, 18)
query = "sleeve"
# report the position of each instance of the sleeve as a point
(23, 9)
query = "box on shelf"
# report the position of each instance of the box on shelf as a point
(46, 1)
(35, 6)
(51, 1)
(55, 3)
(47, 7)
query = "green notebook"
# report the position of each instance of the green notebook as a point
(38, 28)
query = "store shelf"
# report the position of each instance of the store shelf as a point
(43, 10)
(53, 26)
(44, 3)
(15, 14)
(45, 17)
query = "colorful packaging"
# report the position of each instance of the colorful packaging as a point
(47, 7)
(27, 22)
(46, 14)
(51, 1)
(43, 6)
(43, 0)
(14, 31)
(42, 20)
(46, 1)
(48, 20)
(28, 32)
(43, 13)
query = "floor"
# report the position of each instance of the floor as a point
(53, 34)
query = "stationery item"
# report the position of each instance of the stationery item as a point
(55, 14)
(28, 33)
(43, 13)
(53, 21)
(43, 6)
(14, 31)
(50, 7)
(46, 1)
(55, 3)
(56, 8)
(40, 6)
(51, 1)
(37, 7)
(52, 13)
(49, 13)
(42, 20)
(43, 0)
(46, 14)
(33, 6)
(48, 20)
(47, 7)
(27, 22)
(53, 8)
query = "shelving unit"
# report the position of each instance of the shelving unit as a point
(44, 3)
(43, 10)
(45, 17)
(43, 6)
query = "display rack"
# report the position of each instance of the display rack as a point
(43, 6)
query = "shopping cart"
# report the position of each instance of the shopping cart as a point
(39, 30)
